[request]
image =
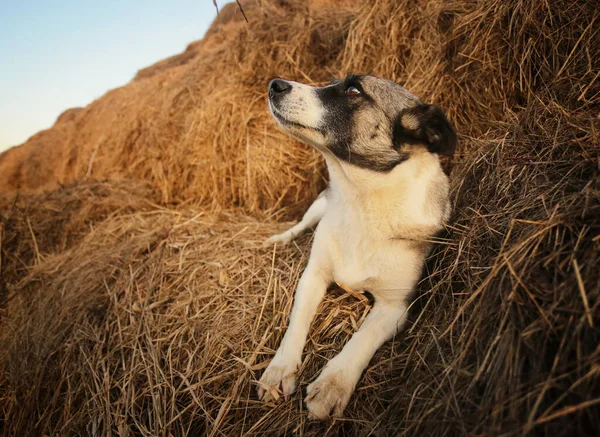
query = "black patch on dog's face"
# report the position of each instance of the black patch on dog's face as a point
(340, 121)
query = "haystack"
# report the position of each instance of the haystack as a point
(136, 298)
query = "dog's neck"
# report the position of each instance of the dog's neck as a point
(364, 184)
(411, 199)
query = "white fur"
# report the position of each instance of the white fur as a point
(300, 106)
(358, 243)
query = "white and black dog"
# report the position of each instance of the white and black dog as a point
(387, 197)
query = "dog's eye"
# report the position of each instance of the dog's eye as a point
(352, 91)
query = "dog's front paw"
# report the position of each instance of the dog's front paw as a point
(281, 239)
(278, 379)
(329, 394)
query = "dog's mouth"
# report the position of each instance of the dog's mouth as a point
(285, 121)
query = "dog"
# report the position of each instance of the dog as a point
(387, 197)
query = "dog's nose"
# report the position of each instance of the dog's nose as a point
(278, 86)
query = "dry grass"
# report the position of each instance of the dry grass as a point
(149, 308)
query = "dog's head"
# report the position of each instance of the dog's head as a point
(363, 120)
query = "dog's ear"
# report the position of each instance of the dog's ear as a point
(427, 125)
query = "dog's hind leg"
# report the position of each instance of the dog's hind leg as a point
(311, 218)
(329, 394)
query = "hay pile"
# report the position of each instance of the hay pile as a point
(136, 299)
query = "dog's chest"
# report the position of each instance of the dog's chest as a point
(356, 263)
(362, 254)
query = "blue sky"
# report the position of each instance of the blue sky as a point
(57, 54)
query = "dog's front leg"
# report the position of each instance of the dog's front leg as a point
(329, 394)
(312, 216)
(281, 373)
